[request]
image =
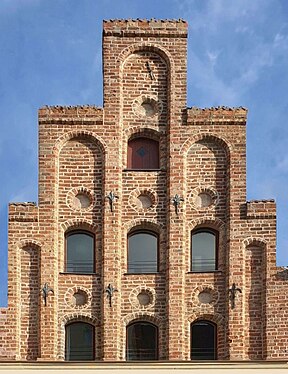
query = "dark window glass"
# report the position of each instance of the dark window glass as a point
(79, 342)
(143, 153)
(204, 250)
(142, 342)
(79, 252)
(203, 340)
(142, 252)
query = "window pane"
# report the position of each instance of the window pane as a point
(141, 341)
(80, 253)
(203, 346)
(142, 253)
(203, 251)
(143, 153)
(79, 342)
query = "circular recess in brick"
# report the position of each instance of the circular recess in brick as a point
(79, 298)
(147, 106)
(203, 198)
(144, 201)
(79, 199)
(82, 200)
(205, 297)
(144, 298)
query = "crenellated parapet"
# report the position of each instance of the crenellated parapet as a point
(23, 212)
(261, 209)
(72, 114)
(221, 114)
(137, 27)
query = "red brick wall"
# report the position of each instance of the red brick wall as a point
(202, 151)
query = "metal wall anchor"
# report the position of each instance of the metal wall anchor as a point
(45, 292)
(176, 200)
(232, 294)
(112, 198)
(110, 291)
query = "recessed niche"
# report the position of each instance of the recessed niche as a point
(147, 107)
(144, 201)
(82, 200)
(203, 200)
(144, 298)
(79, 298)
(205, 297)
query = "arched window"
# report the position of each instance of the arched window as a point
(142, 341)
(79, 342)
(143, 153)
(142, 252)
(79, 252)
(203, 340)
(204, 248)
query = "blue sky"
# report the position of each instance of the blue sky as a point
(237, 56)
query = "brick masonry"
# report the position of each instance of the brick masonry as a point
(83, 151)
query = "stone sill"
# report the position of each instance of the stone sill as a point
(167, 367)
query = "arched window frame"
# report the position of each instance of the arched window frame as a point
(74, 322)
(216, 249)
(156, 338)
(214, 325)
(74, 232)
(154, 143)
(149, 232)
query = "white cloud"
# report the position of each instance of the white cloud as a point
(213, 56)
(281, 41)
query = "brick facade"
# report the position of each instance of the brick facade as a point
(202, 155)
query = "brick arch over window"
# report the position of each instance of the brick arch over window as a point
(142, 341)
(149, 317)
(149, 224)
(75, 226)
(79, 252)
(220, 321)
(204, 247)
(142, 251)
(216, 225)
(144, 225)
(203, 340)
(77, 317)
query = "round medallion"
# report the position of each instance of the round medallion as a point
(144, 298)
(147, 106)
(79, 298)
(205, 297)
